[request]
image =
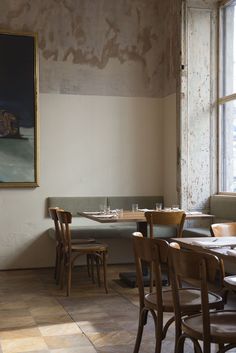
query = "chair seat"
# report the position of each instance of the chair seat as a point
(85, 248)
(223, 326)
(190, 300)
(83, 241)
(230, 282)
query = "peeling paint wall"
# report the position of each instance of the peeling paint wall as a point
(102, 47)
(199, 109)
(103, 70)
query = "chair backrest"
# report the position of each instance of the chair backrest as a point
(195, 267)
(223, 229)
(175, 218)
(65, 219)
(153, 253)
(53, 214)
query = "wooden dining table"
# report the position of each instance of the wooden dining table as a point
(134, 217)
(223, 247)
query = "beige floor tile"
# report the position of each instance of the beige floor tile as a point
(67, 341)
(23, 345)
(60, 329)
(16, 322)
(47, 310)
(111, 338)
(75, 350)
(19, 333)
(53, 319)
(37, 317)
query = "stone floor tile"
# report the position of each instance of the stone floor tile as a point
(23, 345)
(8, 334)
(60, 329)
(67, 341)
(111, 338)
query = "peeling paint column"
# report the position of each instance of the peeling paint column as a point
(198, 105)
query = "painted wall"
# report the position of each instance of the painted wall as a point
(105, 68)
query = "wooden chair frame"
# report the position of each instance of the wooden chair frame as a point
(223, 229)
(155, 253)
(170, 218)
(202, 268)
(71, 252)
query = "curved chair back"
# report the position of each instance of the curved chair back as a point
(170, 218)
(53, 214)
(223, 229)
(65, 219)
(151, 253)
(196, 267)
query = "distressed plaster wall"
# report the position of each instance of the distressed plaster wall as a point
(101, 47)
(105, 67)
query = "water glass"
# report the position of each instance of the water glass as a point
(134, 207)
(175, 207)
(119, 212)
(158, 206)
(105, 209)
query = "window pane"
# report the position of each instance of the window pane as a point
(228, 49)
(228, 146)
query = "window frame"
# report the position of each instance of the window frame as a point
(222, 100)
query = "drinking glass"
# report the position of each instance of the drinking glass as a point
(158, 206)
(175, 207)
(134, 207)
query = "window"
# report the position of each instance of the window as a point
(227, 97)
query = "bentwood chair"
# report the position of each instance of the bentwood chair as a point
(169, 218)
(157, 301)
(208, 326)
(223, 229)
(170, 221)
(72, 251)
(59, 244)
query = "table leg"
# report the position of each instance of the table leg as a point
(129, 278)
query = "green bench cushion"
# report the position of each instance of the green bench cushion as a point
(75, 204)
(125, 202)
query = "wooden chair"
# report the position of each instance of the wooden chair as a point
(173, 219)
(71, 252)
(170, 218)
(154, 253)
(59, 242)
(223, 229)
(208, 326)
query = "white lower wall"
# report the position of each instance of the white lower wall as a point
(89, 145)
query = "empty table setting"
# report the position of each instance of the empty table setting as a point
(223, 247)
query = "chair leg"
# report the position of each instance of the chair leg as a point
(56, 264)
(97, 260)
(59, 265)
(68, 278)
(104, 262)
(62, 272)
(92, 267)
(158, 320)
(142, 321)
(88, 257)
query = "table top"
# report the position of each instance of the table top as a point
(127, 216)
(130, 216)
(222, 247)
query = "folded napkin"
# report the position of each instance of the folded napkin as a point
(207, 244)
(193, 212)
(104, 215)
(231, 252)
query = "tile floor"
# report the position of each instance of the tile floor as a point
(36, 316)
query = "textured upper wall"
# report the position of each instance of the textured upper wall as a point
(101, 47)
